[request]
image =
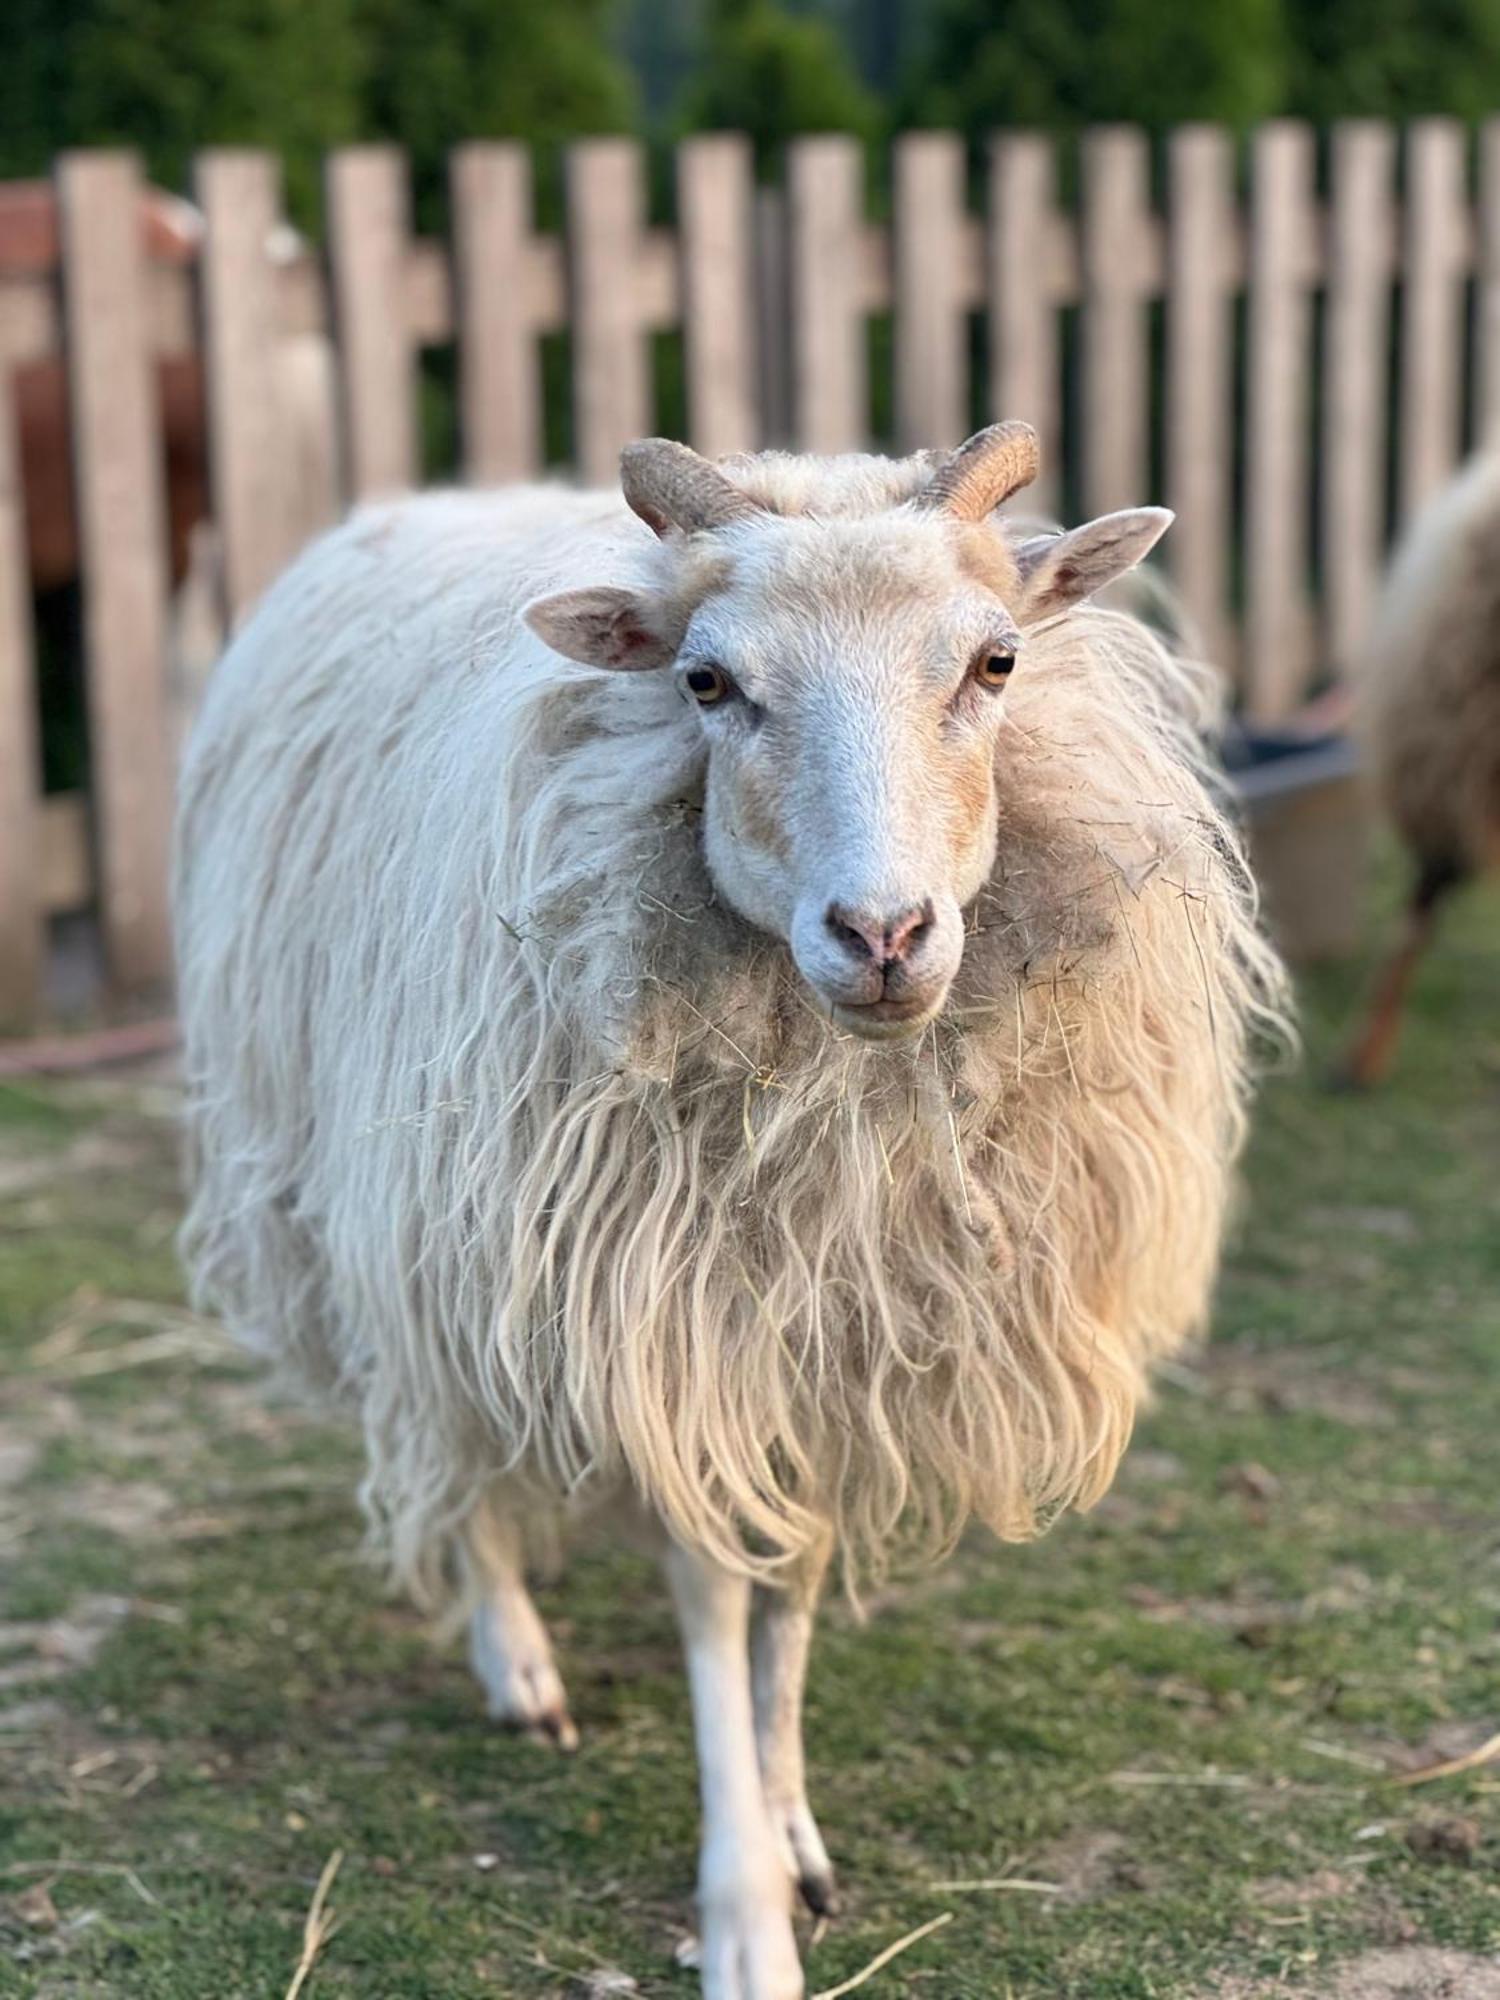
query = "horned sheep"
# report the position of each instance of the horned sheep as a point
(1429, 712)
(745, 1018)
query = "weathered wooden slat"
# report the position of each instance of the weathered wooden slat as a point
(240, 194)
(1199, 379)
(1430, 401)
(932, 273)
(367, 231)
(22, 927)
(1115, 227)
(830, 367)
(117, 466)
(612, 400)
(64, 863)
(1487, 264)
(715, 192)
(773, 319)
(1277, 652)
(1022, 297)
(500, 391)
(1356, 353)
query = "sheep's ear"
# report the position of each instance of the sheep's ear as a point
(1059, 570)
(623, 630)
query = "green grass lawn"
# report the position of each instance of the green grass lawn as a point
(1179, 1714)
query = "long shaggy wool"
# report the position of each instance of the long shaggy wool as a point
(1431, 691)
(511, 1137)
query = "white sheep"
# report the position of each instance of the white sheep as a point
(1429, 705)
(787, 1081)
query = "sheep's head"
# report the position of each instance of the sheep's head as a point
(849, 672)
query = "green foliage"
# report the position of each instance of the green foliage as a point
(774, 74)
(1061, 63)
(300, 76)
(1394, 58)
(471, 69)
(1179, 1709)
(169, 79)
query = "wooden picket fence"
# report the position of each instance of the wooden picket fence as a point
(1290, 341)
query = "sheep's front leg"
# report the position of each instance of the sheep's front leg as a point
(781, 1637)
(508, 1644)
(744, 1891)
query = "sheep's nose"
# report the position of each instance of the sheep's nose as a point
(886, 940)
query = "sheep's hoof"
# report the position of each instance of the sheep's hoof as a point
(555, 1730)
(523, 1689)
(820, 1892)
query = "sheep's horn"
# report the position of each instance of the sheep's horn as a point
(670, 486)
(973, 480)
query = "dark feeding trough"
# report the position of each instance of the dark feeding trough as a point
(1307, 816)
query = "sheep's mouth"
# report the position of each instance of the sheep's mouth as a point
(887, 1020)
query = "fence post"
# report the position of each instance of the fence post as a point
(612, 401)
(240, 194)
(1356, 354)
(1487, 259)
(1200, 377)
(715, 195)
(1025, 377)
(22, 921)
(1114, 244)
(929, 248)
(830, 369)
(1431, 308)
(117, 458)
(368, 231)
(500, 394)
(773, 317)
(1276, 416)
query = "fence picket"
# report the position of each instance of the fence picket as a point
(932, 336)
(1200, 376)
(1433, 260)
(612, 400)
(772, 290)
(1276, 417)
(240, 194)
(830, 370)
(1487, 260)
(1355, 376)
(500, 402)
(715, 195)
(1025, 378)
(117, 474)
(1115, 253)
(368, 234)
(22, 926)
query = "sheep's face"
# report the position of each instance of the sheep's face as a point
(849, 676)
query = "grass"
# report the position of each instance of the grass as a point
(1180, 1712)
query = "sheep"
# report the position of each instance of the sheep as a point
(746, 1026)
(1429, 711)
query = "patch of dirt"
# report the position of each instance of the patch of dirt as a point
(133, 1509)
(1446, 1740)
(1408, 1972)
(1324, 1885)
(1091, 1863)
(1288, 1382)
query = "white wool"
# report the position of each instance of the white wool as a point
(507, 1133)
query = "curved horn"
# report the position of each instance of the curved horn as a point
(972, 481)
(670, 486)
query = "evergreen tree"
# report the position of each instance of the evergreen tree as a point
(1394, 58)
(1061, 63)
(774, 74)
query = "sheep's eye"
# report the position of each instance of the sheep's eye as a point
(707, 684)
(992, 669)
